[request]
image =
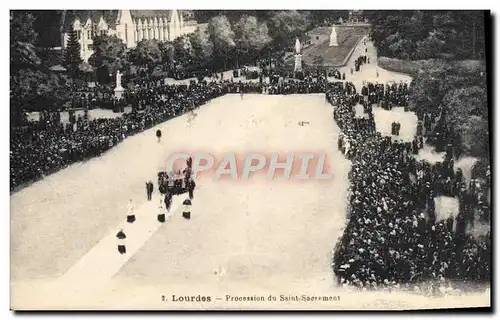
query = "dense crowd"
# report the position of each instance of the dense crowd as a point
(43, 147)
(40, 148)
(98, 96)
(292, 86)
(393, 236)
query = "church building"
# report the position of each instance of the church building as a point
(131, 26)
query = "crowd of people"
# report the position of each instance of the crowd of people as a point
(39, 148)
(387, 95)
(293, 86)
(359, 62)
(393, 237)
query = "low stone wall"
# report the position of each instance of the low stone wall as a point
(413, 67)
(397, 65)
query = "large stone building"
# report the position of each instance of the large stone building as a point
(131, 26)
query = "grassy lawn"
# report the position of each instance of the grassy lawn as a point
(332, 56)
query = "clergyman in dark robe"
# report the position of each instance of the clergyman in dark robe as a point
(186, 211)
(121, 242)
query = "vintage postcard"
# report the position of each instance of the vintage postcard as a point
(249, 159)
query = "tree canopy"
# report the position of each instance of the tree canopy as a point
(109, 52)
(424, 34)
(202, 47)
(72, 58)
(22, 41)
(147, 53)
(287, 25)
(222, 37)
(463, 97)
(31, 83)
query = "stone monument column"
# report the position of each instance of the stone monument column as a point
(119, 89)
(298, 57)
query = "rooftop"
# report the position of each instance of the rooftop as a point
(110, 16)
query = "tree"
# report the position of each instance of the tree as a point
(251, 36)
(203, 16)
(463, 103)
(22, 42)
(147, 53)
(320, 17)
(286, 26)
(183, 50)
(24, 64)
(424, 93)
(430, 47)
(463, 97)
(109, 52)
(474, 135)
(222, 37)
(72, 58)
(202, 47)
(457, 33)
(166, 52)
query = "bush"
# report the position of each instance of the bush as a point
(461, 91)
(480, 168)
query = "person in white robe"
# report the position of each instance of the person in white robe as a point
(161, 212)
(130, 212)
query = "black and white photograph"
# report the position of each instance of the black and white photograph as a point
(250, 159)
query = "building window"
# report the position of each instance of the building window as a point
(126, 33)
(103, 32)
(317, 37)
(88, 34)
(90, 47)
(78, 34)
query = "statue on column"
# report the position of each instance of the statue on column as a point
(119, 89)
(297, 46)
(298, 56)
(118, 79)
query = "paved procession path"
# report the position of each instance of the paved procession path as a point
(91, 266)
(239, 232)
(368, 72)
